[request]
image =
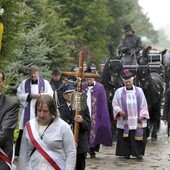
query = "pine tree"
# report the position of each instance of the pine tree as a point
(33, 52)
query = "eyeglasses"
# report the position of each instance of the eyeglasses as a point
(44, 111)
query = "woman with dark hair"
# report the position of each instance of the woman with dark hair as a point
(47, 142)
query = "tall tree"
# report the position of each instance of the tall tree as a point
(88, 20)
(129, 12)
(12, 22)
(119, 11)
(33, 51)
(59, 37)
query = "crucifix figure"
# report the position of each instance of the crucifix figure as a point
(80, 99)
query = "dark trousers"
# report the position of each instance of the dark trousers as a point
(80, 164)
(18, 143)
(129, 146)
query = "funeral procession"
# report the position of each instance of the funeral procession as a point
(84, 85)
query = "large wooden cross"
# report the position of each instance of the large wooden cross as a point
(79, 74)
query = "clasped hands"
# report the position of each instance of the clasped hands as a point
(122, 114)
(35, 96)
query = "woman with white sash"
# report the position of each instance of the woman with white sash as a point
(47, 141)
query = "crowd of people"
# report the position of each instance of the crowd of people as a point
(47, 117)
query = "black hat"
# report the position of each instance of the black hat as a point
(56, 71)
(127, 28)
(103, 63)
(69, 87)
(126, 74)
(93, 67)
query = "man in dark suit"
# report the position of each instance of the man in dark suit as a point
(68, 114)
(8, 120)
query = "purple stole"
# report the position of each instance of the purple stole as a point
(41, 87)
(139, 130)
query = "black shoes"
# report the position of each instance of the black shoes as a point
(92, 156)
(127, 157)
(139, 157)
(92, 153)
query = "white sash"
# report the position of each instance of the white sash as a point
(35, 139)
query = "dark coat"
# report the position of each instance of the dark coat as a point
(166, 110)
(130, 46)
(8, 120)
(68, 116)
(57, 87)
(130, 42)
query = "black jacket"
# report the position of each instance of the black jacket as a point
(67, 115)
(166, 110)
(131, 42)
(8, 120)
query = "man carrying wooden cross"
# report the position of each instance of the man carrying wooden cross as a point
(103, 131)
(68, 114)
(75, 112)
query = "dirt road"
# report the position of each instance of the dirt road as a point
(157, 156)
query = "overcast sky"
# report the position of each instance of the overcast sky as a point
(158, 12)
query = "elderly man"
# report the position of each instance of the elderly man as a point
(131, 112)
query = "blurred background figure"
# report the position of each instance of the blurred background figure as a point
(93, 68)
(166, 62)
(56, 81)
(102, 64)
(73, 69)
(84, 66)
(130, 45)
(57, 86)
(166, 111)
